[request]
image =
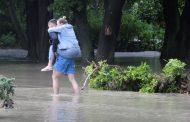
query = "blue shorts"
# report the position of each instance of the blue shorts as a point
(64, 65)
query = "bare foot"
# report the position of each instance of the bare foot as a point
(47, 68)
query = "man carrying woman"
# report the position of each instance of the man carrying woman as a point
(67, 49)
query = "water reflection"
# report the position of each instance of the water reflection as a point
(64, 109)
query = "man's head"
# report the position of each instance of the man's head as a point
(52, 23)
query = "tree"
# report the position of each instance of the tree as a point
(32, 27)
(110, 30)
(37, 18)
(171, 16)
(177, 34)
(82, 31)
(16, 23)
(183, 35)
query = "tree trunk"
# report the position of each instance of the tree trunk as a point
(183, 37)
(37, 18)
(42, 43)
(82, 32)
(110, 30)
(177, 35)
(171, 16)
(32, 27)
(21, 34)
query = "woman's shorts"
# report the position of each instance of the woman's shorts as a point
(64, 65)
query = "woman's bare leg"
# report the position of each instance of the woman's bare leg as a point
(50, 63)
(55, 77)
(49, 67)
(74, 83)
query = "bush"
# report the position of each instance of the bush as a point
(139, 78)
(150, 86)
(104, 77)
(170, 81)
(6, 91)
(174, 68)
(7, 40)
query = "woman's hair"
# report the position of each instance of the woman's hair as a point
(62, 20)
(54, 21)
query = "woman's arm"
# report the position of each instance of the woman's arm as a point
(57, 29)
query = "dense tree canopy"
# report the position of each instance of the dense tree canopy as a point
(107, 26)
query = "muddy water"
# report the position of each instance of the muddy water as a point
(34, 103)
(37, 105)
(29, 75)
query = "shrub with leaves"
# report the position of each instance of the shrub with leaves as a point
(174, 68)
(138, 78)
(104, 76)
(141, 72)
(109, 77)
(6, 91)
(150, 86)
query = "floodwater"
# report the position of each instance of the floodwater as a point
(34, 102)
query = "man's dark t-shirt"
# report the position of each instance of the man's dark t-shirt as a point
(54, 38)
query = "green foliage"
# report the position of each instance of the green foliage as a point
(8, 35)
(172, 88)
(141, 26)
(95, 20)
(7, 40)
(141, 73)
(139, 78)
(174, 68)
(104, 77)
(150, 86)
(65, 8)
(149, 10)
(137, 34)
(6, 91)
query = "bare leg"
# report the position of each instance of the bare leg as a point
(50, 63)
(49, 67)
(55, 78)
(74, 83)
